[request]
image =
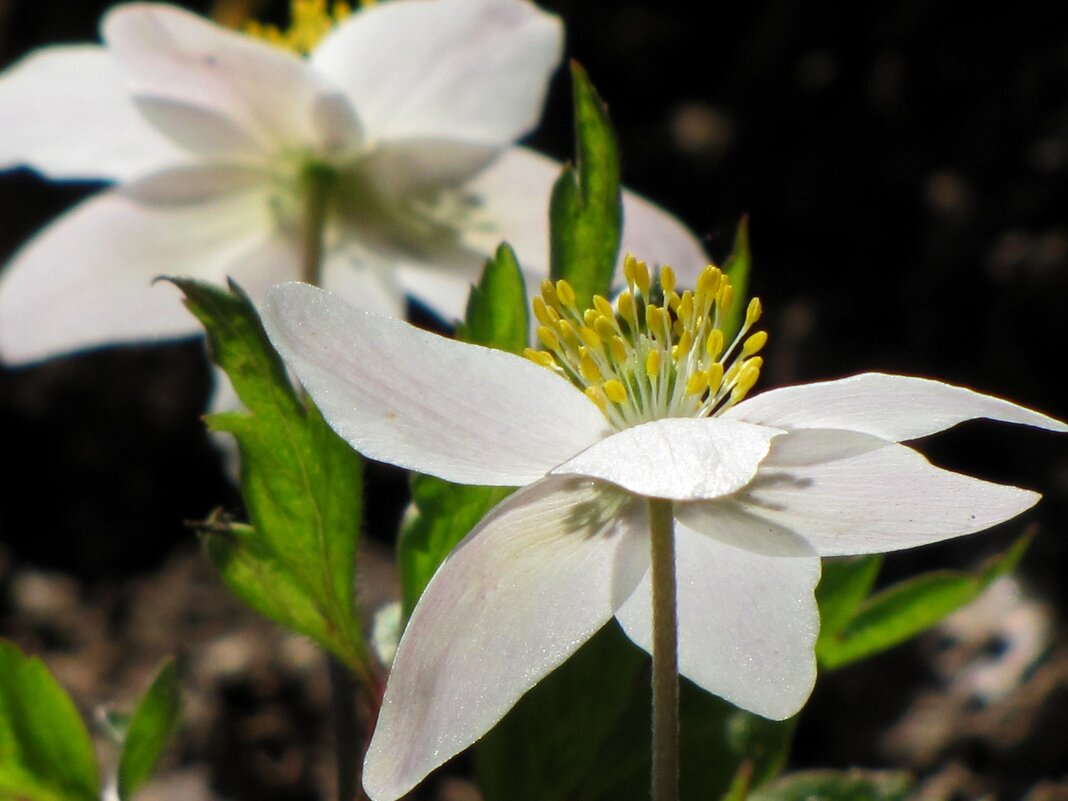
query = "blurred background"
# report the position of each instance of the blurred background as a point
(904, 166)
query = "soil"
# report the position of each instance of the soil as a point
(904, 166)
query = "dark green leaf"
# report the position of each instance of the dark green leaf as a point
(905, 609)
(45, 751)
(582, 734)
(737, 269)
(302, 486)
(586, 210)
(497, 308)
(819, 785)
(149, 730)
(843, 587)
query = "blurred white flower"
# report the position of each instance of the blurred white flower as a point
(400, 121)
(761, 489)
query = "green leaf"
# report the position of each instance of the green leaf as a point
(302, 486)
(737, 269)
(586, 209)
(582, 734)
(497, 308)
(844, 585)
(148, 731)
(899, 612)
(45, 751)
(826, 785)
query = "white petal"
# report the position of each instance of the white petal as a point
(806, 446)
(514, 192)
(365, 281)
(87, 279)
(747, 621)
(680, 458)
(401, 395)
(883, 500)
(472, 70)
(401, 167)
(65, 112)
(894, 407)
(527, 587)
(169, 54)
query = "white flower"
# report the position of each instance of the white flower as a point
(408, 110)
(762, 488)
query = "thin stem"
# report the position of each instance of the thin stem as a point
(318, 181)
(346, 737)
(665, 653)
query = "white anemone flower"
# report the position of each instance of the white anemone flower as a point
(641, 400)
(400, 121)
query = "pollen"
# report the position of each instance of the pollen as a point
(654, 352)
(310, 21)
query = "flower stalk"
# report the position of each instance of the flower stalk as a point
(318, 182)
(665, 781)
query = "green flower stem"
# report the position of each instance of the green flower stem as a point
(346, 726)
(665, 653)
(318, 183)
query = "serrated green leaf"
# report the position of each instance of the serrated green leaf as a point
(148, 731)
(904, 610)
(497, 308)
(843, 587)
(582, 734)
(586, 209)
(826, 785)
(302, 486)
(737, 268)
(45, 750)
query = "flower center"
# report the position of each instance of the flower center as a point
(311, 20)
(655, 353)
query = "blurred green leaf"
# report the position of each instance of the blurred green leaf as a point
(148, 731)
(583, 734)
(45, 751)
(302, 486)
(586, 209)
(443, 513)
(497, 314)
(899, 612)
(844, 585)
(737, 268)
(820, 785)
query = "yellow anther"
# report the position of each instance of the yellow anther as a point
(667, 279)
(588, 368)
(652, 364)
(754, 343)
(627, 308)
(641, 277)
(619, 350)
(708, 282)
(541, 311)
(685, 309)
(590, 317)
(615, 391)
(311, 20)
(746, 379)
(548, 338)
(596, 394)
(753, 312)
(684, 344)
(548, 292)
(604, 307)
(672, 300)
(590, 338)
(715, 376)
(629, 263)
(568, 333)
(654, 319)
(565, 293)
(726, 295)
(697, 383)
(539, 357)
(605, 328)
(714, 343)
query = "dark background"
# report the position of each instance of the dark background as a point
(904, 168)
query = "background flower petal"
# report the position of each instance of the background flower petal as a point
(894, 407)
(473, 70)
(526, 588)
(883, 500)
(169, 54)
(87, 279)
(405, 396)
(510, 187)
(680, 458)
(65, 112)
(747, 621)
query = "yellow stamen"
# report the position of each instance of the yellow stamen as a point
(754, 343)
(652, 364)
(615, 391)
(310, 21)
